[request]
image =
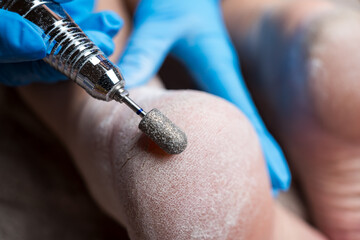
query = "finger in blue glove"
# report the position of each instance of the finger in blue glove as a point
(194, 32)
(100, 27)
(19, 39)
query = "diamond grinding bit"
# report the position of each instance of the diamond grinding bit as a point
(163, 132)
(72, 53)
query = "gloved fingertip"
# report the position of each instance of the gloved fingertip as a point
(103, 41)
(278, 168)
(79, 9)
(145, 52)
(137, 69)
(113, 22)
(107, 22)
(275, 193)
(20, 39)
(36, 47)
(134, 78)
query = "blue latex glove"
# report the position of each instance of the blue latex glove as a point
(22, 46)
(194, 32)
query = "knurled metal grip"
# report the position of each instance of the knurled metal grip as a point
(69, 50)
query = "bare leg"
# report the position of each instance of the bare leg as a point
(305, 72)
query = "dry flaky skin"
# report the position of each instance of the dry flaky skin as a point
(206, 192)
(163, 132)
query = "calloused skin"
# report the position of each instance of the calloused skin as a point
(301, 62)
(203, 193)
(217, 189)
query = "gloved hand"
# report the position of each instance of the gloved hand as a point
(22, 47)
(194, 32)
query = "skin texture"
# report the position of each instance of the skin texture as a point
(42, 194)
(216, 189)
(300, 63)
(179, 192)
(201, 194)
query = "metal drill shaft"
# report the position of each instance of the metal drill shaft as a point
(69, 50)
(72, 53)
(162, 131)
(156, 126)
(136, 108)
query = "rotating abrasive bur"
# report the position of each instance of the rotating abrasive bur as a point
(72, 53)
(162, 131)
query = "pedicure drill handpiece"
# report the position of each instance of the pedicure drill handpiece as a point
(72, 53)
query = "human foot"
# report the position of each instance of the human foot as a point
(307, 79)
(216, 189)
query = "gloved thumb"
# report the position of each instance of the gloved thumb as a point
(212, 60)
(146, 49)
(19, 39)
